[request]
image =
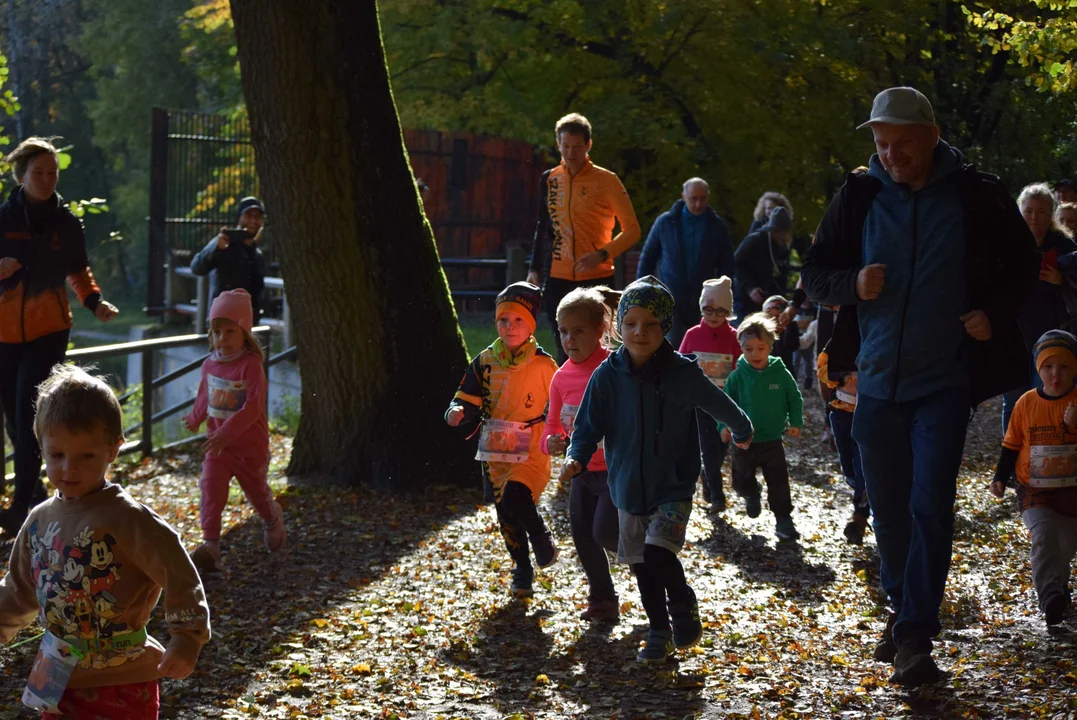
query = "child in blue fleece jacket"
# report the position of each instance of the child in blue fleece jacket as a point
(642, 401)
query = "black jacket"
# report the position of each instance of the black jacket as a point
(761, 263)
(237, 266)
(1001, 267)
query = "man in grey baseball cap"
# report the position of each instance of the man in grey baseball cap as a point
(929, 260)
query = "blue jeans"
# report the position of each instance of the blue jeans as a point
(841, 422)
(910, 453)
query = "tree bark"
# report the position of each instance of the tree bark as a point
(379, 344)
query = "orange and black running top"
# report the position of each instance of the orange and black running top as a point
(576, 217)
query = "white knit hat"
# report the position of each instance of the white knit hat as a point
(717, 293)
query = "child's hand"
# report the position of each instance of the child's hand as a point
(455, 415)
(998, 489)
(175, 665)
(191, 422)
(214, 444)
(726, 435)
(557, 444)
(1070, 417)
(569, 470)
(793, 432)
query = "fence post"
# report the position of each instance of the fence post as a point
(515, 269)
(286, 317)
(147, 402)
(157, 272)
(202, 307)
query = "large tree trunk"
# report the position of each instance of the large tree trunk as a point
(378, 339)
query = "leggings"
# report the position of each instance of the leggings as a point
(593, 519)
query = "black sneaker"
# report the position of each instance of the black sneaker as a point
(658, 648)
(687, 628)
(913, 664)
(545, 550)
(521, 582)
(753, 506)
(717, 503)
(1054, 610)
(854, 529)
(886, 650)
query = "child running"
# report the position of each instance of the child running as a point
(585, 324)
(232, 401)
(91, 562)
(641, 400)
(714, 344)
(506, 389)
(840, 388)
(762, 385)
(1041, 445)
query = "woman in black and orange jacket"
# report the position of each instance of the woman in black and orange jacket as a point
(42, 244)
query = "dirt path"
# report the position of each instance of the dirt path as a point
(391, 608)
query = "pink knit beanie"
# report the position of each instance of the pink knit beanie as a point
(234, 305)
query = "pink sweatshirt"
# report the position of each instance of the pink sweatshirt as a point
(716, 350)
(566, 394)
(232, 401)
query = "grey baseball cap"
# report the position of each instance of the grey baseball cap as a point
(901, 106)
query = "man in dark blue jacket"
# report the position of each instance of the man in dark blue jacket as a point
(687, 244)
(930, 261)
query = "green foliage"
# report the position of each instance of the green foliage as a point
(1041, 36)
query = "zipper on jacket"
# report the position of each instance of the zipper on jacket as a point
(642, 446)
(658, 417)
(908, 296)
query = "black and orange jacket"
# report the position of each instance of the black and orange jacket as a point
(576, 217)
(51, 249)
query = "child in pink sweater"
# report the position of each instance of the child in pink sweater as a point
(714, 343)
(584, 322)
(232, 401)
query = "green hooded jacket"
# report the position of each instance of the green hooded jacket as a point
(770, 397)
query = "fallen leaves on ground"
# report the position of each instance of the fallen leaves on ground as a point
(388, 607)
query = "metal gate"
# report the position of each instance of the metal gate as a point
(201, 165)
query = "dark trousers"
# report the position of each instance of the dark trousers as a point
(911, 453)
(658, 576)
(841, 422)
(24, 366)
(554, 291)
(593, 520)
(713, 451)
(518, 518)
(770, 457)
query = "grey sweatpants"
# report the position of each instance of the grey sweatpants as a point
(1054, 545)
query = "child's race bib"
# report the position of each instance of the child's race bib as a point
(504, 441)
(56, 660)
(1052, 466)
(716, 366)
(568, 421)
(226, 397)
(845, 397)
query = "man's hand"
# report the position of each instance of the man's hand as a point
(870, 280)
(557, 444)
(793, 432)
(105, 311)
(757, 295)
(726, 435)
(977, 324)
(1052, 275)
(589, 262)
(569, 470)
(8, 267)
(455, 416)
(222, 240)
(997, 488)
(787, 315)
(174, 665)
(534, 279)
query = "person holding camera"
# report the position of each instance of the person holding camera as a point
(232, 259)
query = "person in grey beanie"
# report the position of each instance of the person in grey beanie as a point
(234, 265)
(762, 261)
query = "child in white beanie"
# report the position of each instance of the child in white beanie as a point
(714, 344)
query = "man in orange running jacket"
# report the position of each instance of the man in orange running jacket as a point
(579, 204)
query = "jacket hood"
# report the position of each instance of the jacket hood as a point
(773, 364)
(665, 360)
(948, 160)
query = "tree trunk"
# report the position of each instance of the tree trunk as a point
(379, 344)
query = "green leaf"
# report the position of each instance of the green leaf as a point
(64, 160)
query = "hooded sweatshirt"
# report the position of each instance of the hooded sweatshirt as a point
(715, 349)
(770, 397)
(647, 417)
(566, 392)
(912, 338)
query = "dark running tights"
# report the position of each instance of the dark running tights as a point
(660, 574)
(519, 518)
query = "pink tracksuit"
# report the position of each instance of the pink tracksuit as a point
(232, 401)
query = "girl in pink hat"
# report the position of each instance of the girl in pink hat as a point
(232, 401)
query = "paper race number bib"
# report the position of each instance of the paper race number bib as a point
(56, 660)
(504, 441)
(716, 366)
(226, 397)
(845, 397)
(1052, 466)
(568, 422)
